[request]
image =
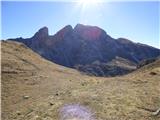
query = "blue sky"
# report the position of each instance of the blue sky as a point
(137, 21)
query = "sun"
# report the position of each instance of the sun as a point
(85, 4)
(89, 2)
(89, 10)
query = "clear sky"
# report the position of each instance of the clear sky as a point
(137, 21)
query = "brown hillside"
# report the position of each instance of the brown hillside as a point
(35, 89)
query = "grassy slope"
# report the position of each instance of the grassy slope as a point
(50, 86)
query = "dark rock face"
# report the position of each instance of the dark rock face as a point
(42, 33)
(118, 66)
(147, 61)
(83, 45)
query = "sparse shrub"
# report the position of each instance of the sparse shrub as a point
(153, 73)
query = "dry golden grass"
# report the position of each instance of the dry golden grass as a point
(35, 89)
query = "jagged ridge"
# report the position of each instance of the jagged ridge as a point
(84, 44)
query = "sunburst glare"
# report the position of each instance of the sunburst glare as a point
(88, 3)
(88, 9)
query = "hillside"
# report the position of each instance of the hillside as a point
(84, 44)
(36, 89)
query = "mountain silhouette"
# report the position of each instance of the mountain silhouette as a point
(80, 47)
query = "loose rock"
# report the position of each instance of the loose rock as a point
(26, 97)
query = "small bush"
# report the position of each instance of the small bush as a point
(153, 73)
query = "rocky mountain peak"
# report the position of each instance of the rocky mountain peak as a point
(42, 33)
(89, 32)
(64, 31)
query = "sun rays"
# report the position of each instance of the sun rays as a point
(89, 9)
(88, 3)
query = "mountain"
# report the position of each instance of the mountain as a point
(84, 44)
(33, 88)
